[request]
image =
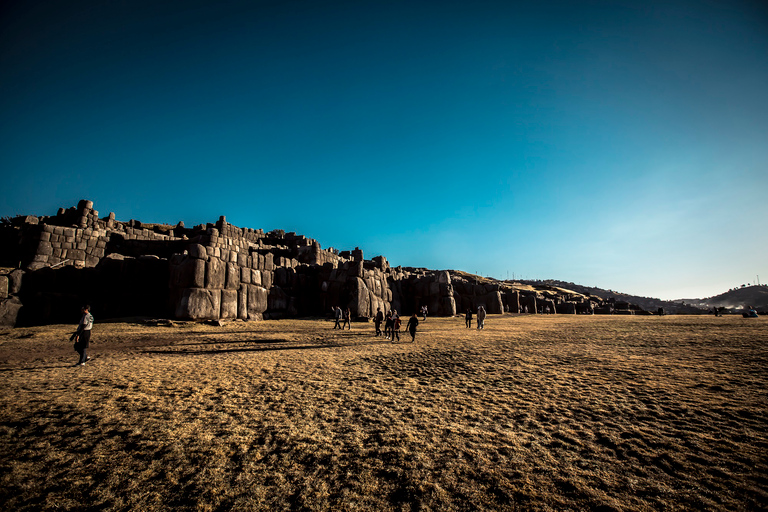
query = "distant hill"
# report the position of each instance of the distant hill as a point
(736, 299)
(680, 307)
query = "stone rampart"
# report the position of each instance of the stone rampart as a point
(220, 271)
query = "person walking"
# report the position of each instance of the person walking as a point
(411, 327)
(377, 321)
(481, 317)
(468, 318)
(388, 325)
(337, 316)
(82, 336)
(347, 318)
(395, 326)
(424, 312)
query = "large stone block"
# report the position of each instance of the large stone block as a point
(232, 281)
(448, 306)
(199, 304)
(493, 303)
(245, 275)
(242, 303)
(277, 300)
(257, 302)
(360, 303)
(215, 273)
(14, 281)
(267, 278)
(228, 304)
(44, 248)
(256, 277)
(189, 274)
(198, 251)
(3, 287)
(444, 277)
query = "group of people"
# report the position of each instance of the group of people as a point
(480, 318)
(392, 324)
(342, 316)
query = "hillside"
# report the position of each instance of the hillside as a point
(647, 303)
(738, 298)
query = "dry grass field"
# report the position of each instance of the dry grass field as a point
(533, 413)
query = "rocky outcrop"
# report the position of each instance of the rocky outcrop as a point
(221, 271)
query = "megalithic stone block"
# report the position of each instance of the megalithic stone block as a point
(242, 302)
(232, 281)
(228, 304)
(360, 303)
(199, 304)
(257, 301)
(215, 273)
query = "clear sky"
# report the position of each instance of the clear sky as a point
(614, 144)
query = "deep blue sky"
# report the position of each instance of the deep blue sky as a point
(615, 144)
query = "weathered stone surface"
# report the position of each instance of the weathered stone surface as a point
(277, 300)
(190, 273)
(448, 306)
(242, 303)
(232, 281)
(45, 248)
(14, 281)
(3, 287)
(199, 304)
(9, 311)
(215, 273)
(257, 302)
(267, 278)
(198, 251)
(245, 275)
(228, 304)
(256, 277)
(360, 302)
(493, 303)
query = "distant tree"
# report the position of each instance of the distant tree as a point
(743, 286)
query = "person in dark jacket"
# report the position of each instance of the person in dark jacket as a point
(82, 336)
(337, 316)
(388, 325)
(412, 323)
(377, 321)
(395, 325)
(347, 319)
(468, 318)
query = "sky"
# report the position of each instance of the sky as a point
(614, 144)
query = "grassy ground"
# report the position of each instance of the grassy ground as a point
(533, 413)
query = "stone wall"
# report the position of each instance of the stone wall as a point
(219, 271)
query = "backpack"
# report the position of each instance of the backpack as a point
(397, 323)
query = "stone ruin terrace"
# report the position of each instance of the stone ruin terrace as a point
(53, 265)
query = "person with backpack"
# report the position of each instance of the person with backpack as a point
(411, 327)
(347, 319)
(82, 337)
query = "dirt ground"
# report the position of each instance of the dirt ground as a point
(556, 412)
